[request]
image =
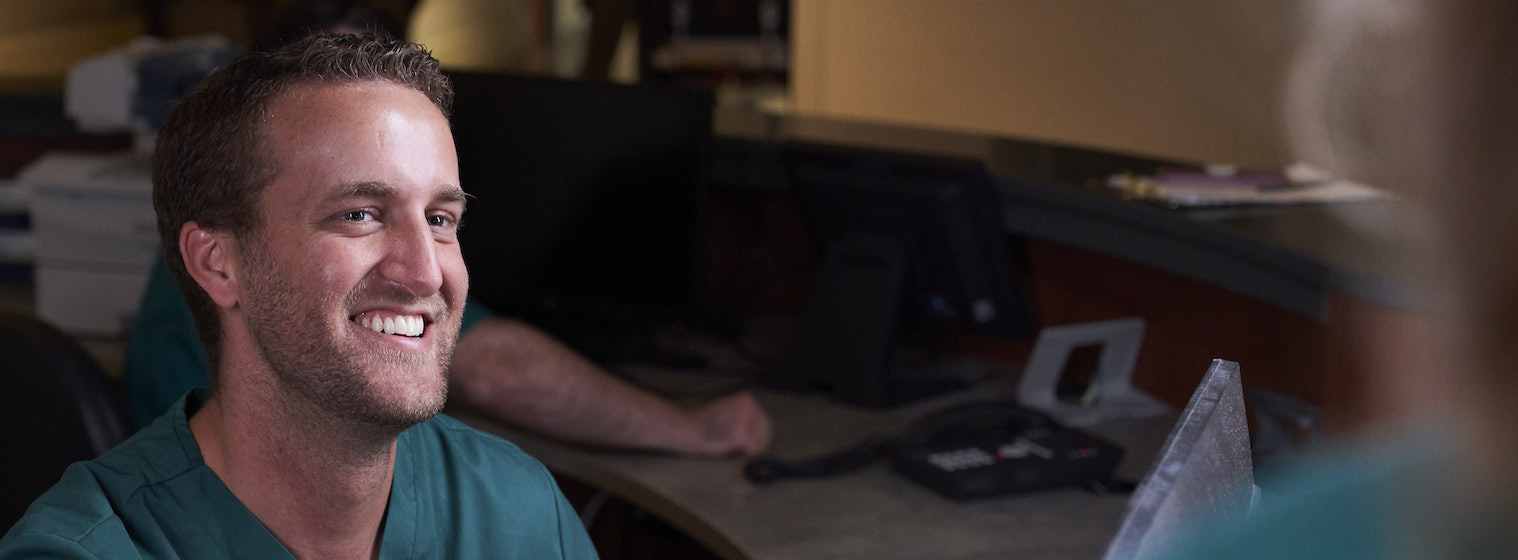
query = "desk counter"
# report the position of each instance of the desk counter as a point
(1290, 257)
(872, 514)
(1307, 298)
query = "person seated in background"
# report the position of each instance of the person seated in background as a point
(508, 369)
(308, 202)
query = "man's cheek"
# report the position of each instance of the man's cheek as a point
(460, 277)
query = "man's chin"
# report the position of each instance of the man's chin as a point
(400, 414)
(395, 393)
(418, 403)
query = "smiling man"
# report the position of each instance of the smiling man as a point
(309, 202)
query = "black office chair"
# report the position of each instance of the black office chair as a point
(56, 407)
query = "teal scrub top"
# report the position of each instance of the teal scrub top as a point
(164, 358)
(456, 493)
(1354, 503)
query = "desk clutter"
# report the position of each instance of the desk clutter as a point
(1216, 186)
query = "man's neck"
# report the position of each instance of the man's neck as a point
(321, 488)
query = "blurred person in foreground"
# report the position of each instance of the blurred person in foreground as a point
(1420, 97)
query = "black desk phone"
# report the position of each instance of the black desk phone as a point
(975, 450)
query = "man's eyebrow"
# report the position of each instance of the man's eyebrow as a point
(452, 193)
(362, 189)
(378, 189)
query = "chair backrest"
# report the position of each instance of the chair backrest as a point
(56, 407)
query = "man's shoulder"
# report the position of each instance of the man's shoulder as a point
(74, 518)
(83, 510)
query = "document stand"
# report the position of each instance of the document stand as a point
(1111, 394)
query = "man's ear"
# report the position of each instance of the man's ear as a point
(210, 257)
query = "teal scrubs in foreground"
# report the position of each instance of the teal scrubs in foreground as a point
(1359, 502)
(456, 493)
(164, 358)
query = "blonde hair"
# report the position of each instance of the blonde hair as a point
(1421, 97)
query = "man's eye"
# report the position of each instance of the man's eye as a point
(438, 221)
(356, 216)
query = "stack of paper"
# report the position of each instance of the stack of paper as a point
(1296, 184)
(18, 246)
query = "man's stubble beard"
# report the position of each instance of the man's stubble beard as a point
(314, 360)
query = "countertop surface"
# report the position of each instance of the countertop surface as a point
(1289, 256)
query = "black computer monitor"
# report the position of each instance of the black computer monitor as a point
(910, 246)
(586, 198)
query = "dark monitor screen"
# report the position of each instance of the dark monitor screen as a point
(584, 193)
(941, 214)
(910, 245)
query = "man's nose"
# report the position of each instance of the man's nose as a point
(411, 258)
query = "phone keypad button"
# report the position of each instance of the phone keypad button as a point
(960, 459)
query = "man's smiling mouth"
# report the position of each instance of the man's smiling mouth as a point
(403, 325)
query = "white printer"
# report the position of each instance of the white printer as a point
(96, 239)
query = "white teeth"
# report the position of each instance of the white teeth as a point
(405, 325)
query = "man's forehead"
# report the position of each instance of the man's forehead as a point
(363, 140)
(316, 98)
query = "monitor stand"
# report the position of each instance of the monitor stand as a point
(845, 342)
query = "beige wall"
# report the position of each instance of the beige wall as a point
(480, 35)
(39, 40)
(1198, 80)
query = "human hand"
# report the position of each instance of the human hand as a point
(732, 424)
